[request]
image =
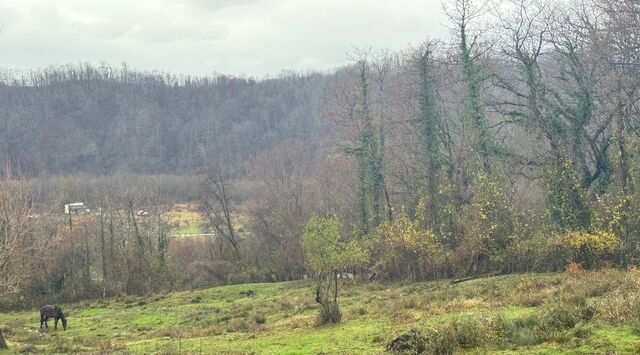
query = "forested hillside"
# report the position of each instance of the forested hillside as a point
(75, 119)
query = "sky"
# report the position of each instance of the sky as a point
(200, 37)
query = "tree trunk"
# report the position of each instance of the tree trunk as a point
(623, 173)
(3, 343)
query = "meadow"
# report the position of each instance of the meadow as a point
(572, 312)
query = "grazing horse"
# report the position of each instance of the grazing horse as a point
(54, 312)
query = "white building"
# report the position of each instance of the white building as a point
(75, 208)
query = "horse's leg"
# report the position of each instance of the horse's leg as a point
(46, 319)
(56, 322)
(41, 321)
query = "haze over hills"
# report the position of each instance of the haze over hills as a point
(81, 119)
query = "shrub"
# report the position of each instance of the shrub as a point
(487, 224)
(460, 333)
(238, 325)
(410, 342)
(329, 313)
(468, 332)
(442, 340)
(326, 253)
(557, 317)
(406, 250)
(260, 319)
(621, 216)
(361, 311)
(587, 249)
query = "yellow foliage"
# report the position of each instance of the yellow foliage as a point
(406, 248)
(588, 248)
(599, 243)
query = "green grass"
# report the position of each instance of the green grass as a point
(190, 229)
(281, 318)
(185, 222)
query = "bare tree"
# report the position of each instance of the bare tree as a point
(360, 108)
(465, 17)
(16, 199)
(217, 204)
(617, 39)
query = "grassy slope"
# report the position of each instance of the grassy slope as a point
(281, 317)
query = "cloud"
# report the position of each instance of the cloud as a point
(221, 4)
(252, 37)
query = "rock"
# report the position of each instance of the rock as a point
(410, 342)
(249, 293)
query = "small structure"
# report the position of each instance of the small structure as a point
(75, 208)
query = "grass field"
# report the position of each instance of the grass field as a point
(185, 222)
(584, 312)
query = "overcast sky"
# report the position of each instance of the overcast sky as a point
(238, 37)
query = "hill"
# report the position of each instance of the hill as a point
(580, 312)
(76, 119)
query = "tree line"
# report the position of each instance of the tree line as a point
(510, 148)
(82, 119)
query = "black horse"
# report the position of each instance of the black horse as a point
(54, 312)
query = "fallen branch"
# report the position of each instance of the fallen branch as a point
(457, 281)
(469, 278)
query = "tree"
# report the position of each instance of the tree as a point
(327, 253)
(283, 198)
(618, 41)
(463, 14)
(217, 205)
(361, 108)
(427, 122)
(557, 102)
(16, 204)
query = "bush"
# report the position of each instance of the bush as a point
(488, 225)
(558, 317)
(588, 249)
(468, 332)
(329, 313)
(260, 319)
(406, 250)
(555, 322)
(410, 342)
(326, 252)
(463, 333)
(238, 325)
